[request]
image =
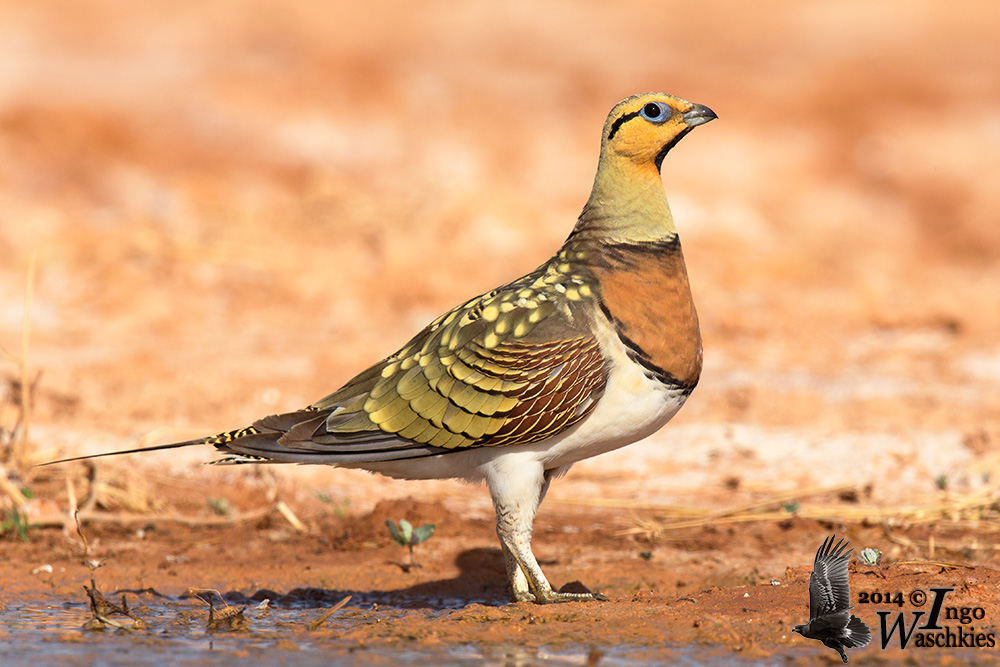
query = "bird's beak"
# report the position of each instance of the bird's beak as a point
(698, 114)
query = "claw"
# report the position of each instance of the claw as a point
(552, 597)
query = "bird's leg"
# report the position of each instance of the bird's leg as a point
(517, 583)
(516, 499)
(836, 646)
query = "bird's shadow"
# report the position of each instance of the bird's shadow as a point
(479, 581)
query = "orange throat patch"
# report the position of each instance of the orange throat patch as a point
(645, 294)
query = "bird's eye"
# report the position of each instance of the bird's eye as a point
(655, 111)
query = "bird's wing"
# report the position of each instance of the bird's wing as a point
(832, 623)
(516, 365)
(829, 591)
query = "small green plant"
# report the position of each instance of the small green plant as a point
(405, 535)
(16, 522)
(791, 507)
(339, 509)
(873, 558)
(941, 482)
(220, 506)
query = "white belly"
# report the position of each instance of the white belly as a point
(632, 407)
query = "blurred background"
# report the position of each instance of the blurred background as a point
(227, 209)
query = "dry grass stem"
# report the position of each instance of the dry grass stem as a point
(19, 446)
(129, 518)
(680, 510)
(979, 509)
(100, 606)
(948, 565)
(289, 515)
(71, 516)
(328, 613)
(11, 491)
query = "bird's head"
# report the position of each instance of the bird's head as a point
(799, 629)
(641, 129)
(627, 203)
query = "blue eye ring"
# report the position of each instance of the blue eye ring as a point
(655, 112)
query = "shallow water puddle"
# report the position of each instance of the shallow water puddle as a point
(53, 633)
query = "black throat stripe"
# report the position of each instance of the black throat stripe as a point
(641, 357)
(666, 149)
(653, 372)
(621, 121)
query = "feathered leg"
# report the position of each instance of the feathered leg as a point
(516, 498)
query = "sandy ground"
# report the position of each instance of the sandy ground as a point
(231, 210)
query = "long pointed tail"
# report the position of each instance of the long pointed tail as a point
(152, 448)
(219, 441)
(297, 437)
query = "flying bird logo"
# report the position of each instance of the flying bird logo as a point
(830, 618)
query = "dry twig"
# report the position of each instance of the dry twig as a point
(328, 613)
(130, 518)
(290, 517)
(17, 452)
(978, 509)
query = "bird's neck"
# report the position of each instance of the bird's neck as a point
(626, 205)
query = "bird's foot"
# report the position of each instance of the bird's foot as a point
(550, 596)
(521, 596)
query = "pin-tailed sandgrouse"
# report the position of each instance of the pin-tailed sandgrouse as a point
(595, 349)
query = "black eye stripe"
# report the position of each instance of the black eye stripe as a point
(655, 112)
(621, 121)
